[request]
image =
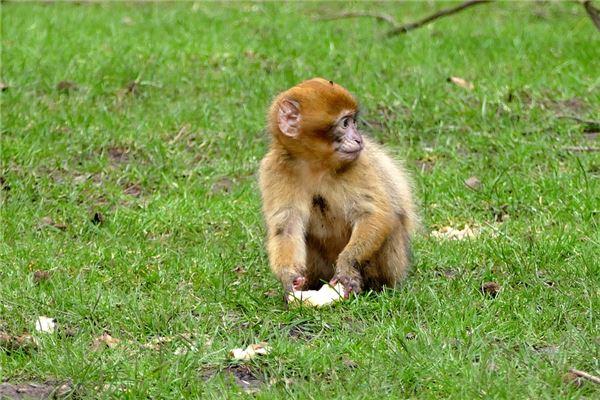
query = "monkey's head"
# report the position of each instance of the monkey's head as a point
(316, 121)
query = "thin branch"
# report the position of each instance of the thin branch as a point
(358, 14)
(585, 375)
(593, 13)
(580, 120)
(581, 149)
(442, 13)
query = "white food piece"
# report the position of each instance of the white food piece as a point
(317, 298)
(450, 233)
(45, 324)
(250, 352)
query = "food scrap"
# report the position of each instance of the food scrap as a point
(250, 352)
(317, 298)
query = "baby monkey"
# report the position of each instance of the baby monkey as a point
(337, 207)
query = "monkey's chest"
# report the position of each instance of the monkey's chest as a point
(328, 224)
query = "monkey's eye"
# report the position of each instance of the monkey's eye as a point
(345, 122)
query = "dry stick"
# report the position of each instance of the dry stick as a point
(580, 120)
(585, 375)
(593, 12)
(581, 149)
(442, 13)
(382, 17)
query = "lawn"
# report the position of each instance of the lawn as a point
(130, 140)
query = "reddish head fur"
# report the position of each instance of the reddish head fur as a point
(320, 102)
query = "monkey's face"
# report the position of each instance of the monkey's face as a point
(316, 121)
(347, 141)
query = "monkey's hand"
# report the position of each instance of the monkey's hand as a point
(350, 280)
(293, 281)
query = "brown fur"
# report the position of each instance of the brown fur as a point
(326, 218)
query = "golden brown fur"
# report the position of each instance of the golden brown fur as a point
(327, 218)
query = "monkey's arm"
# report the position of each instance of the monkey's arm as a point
(373, 223)
(286, 214)
(285, 245)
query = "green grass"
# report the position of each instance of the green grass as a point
(172, 168)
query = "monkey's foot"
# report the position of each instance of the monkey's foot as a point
(326, 295)
(349, 283)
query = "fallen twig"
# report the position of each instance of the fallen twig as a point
(593, 13)
(585, 375)
(581, 149)
(357, 14)
(580, 120)
(442, 13)
(397, 28)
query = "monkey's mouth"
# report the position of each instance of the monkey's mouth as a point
(349, 154)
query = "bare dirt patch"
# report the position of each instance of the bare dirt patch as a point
(241, 375)
(244, 378)
(133, 189)
(35, 390)
(66, 86)
(222, 185)
(118, 155)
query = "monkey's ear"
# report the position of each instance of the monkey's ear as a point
(288, 118)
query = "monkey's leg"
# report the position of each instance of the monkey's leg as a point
(391, 263)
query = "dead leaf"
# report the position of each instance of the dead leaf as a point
(41, 276)
(118, 155)
(182, 350)
(3, 86)
(157, 342)
(127, 21)
(349, 363)
(545, 349)
(250, 352)
(23, 342)
(224, 185)
(239, 270)
(45, 324)
(134, 190)
(473, 183)
(48, 221)
(447, 273)
(490, 289)
(318, 298)
(461, 82)
(572, 379)
(105, 340)
(66, 86)
(450, 233)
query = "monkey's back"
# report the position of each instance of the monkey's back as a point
(397, 182)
